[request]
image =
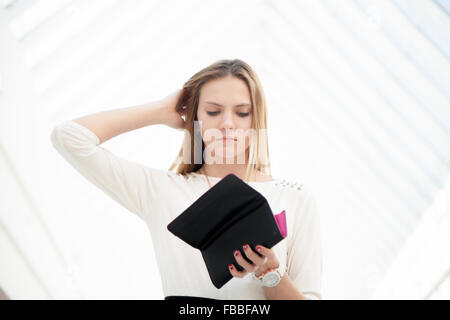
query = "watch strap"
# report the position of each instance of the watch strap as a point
(261, 276)
(265, 272)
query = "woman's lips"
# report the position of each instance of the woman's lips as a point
(228, 141)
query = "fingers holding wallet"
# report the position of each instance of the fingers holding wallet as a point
(259, 264)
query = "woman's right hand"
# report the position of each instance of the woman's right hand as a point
(170, 116)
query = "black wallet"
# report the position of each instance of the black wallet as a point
(225, 217)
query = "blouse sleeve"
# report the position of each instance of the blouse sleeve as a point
(304, 253)
(130, 184)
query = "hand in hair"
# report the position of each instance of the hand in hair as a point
(170, 116)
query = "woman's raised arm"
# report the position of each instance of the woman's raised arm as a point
(110, 123)
(133, 185)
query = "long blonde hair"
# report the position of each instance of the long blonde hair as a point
(258, 151)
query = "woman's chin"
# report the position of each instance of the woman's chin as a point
(231, 156)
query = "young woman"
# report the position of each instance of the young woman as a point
(217, 106)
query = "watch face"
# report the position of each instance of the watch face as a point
(271, 279)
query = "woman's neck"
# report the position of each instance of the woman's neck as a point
(221, 170)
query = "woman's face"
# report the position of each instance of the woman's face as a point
(225, 110)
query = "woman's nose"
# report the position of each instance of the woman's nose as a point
(227, 120)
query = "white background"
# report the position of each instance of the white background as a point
(358, 95)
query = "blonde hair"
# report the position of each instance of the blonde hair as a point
(187, 105)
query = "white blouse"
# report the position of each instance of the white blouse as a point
(158, 196)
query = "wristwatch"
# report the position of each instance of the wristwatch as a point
(269, 278)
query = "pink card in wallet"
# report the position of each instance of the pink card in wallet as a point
(281, 222)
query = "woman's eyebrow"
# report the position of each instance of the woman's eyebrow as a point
(238, 105)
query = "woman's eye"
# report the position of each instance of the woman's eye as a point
(241, 114)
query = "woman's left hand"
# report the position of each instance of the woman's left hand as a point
(258, 265)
